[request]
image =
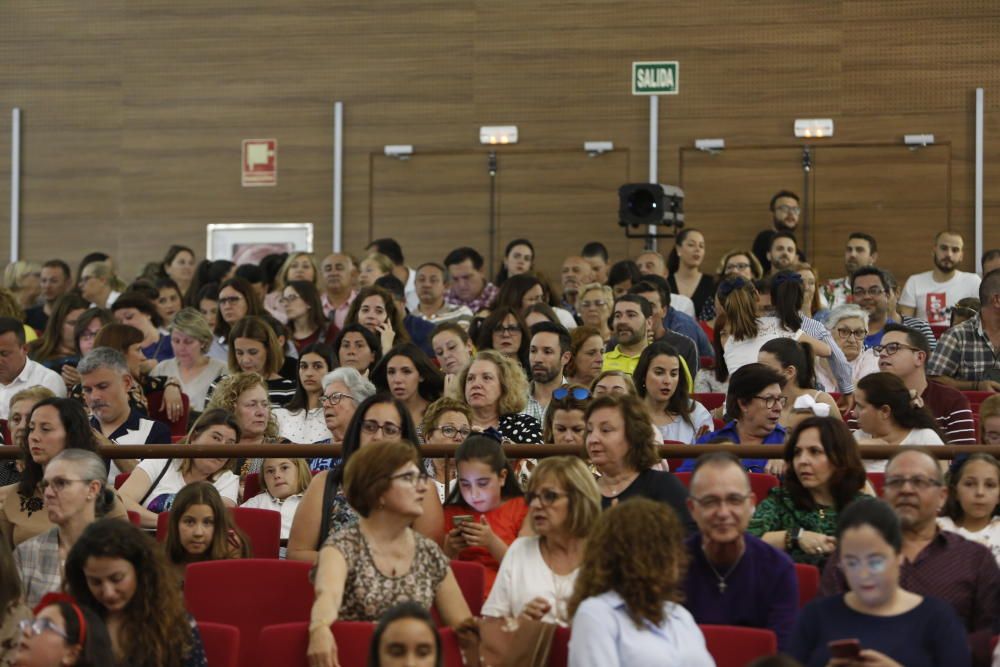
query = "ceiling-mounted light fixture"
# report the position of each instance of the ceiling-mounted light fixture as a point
(498, 134)
(813, 128)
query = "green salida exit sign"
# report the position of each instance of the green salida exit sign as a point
(655, 78)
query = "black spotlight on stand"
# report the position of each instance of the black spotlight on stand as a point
(648, 205)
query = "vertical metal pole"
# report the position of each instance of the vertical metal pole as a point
(15, 183)
(491, 168)
(980, 103)
(338, 174)
(654, 140)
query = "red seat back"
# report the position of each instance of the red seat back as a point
(251, 594)
(134, 518)
(684, 478)
(262, 528)
(762, 483)
(222, 644)
(733, 646)
(285, 645)
(808, 576)
(710, 401)
(251, 486)
(121, 478)
(559, 654)
(939, 329)
(471, 579)
(157, 412)
(877, 480)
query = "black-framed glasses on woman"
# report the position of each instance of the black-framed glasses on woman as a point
(413, 477)
(546, 497)
(450, 431)
(845, 333)
(770, 401)
(335, 398)
(390, 430)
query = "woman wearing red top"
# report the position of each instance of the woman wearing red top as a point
(486, 512)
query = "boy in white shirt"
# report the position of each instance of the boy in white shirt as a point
(931, 295)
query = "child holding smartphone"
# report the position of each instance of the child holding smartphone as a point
(486, 510)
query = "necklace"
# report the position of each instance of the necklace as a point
(722, 577)
(620, 485)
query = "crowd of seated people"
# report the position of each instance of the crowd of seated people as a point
(613, 358)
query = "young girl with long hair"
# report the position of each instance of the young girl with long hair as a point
(202, 529)
(973, 506)
(486, 511)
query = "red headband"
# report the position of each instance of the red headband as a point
(51, 598)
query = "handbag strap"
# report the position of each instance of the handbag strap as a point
(156, 481)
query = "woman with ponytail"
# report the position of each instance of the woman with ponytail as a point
(796, 363)
(75, 491)
(890, 414)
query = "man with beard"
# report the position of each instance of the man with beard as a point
(338, 276)
(630, 321)
(683, 340)
(861, 250)
(936, 562)
(548, 355)
(785, 212)
(783, 251)
(931, 294)
(873, 290)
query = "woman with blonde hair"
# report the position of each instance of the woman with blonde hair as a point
(194, 370)
(594, 305)
(989, 421)
(24, 280)
(538, 572)
(626, 604)
(373, 267)
(297, 266)
(615, 383)
(244, 395)
(9, 307)
(495, 388)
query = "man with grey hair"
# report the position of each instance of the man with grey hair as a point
(936, 562)
(106, 381)
(96, 283)
(344, 389)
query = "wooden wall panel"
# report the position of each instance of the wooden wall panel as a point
(134, 111)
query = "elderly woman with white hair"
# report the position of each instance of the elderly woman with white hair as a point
(848, 324)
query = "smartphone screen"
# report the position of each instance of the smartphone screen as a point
(845, 648)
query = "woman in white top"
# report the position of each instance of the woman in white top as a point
(663, 381)
(151, 487)
(744, 332)
(890, 414)
(190, 338)
(625, 607)
(848, 324)
(537, 574)
(795, 363)
(284, 481)
(974, 501)
(301, 421)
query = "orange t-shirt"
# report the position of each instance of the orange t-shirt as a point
(505, 521)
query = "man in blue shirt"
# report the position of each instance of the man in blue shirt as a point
(754, 404)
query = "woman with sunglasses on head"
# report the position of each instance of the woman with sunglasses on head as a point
(75, 496)
(486, 512)
(325, 509)
(662, 381)
(62, 633)
(877, 622)
(366, 568)
(537, 574)
(54, 425)
(564, 422)
(447, 421)
(823, 475)
(408, 374)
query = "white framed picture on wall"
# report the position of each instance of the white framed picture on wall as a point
(248, 243)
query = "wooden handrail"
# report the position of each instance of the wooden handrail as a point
(448, 451)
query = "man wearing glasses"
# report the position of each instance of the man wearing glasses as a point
(904, 353)
(936, 562)
(785, 213)
(872, 289)
(734, 578)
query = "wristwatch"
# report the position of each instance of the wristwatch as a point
(796, 534)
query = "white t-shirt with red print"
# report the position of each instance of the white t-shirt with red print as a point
(933, 300)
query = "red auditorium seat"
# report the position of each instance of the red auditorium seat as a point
(121, 478)
(710, 401)
(733, 646)
(251, 486)
(877, 480)
(760, 483)
(808, 576)
(285, 645)
(134, 518)
(939, 329)
(262, 528)
(559, 654)
(471, 579)
(976, 398)
(156, 411)
(222, 644)
(251, 594)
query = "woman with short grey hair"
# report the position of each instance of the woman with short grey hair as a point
(848, 323)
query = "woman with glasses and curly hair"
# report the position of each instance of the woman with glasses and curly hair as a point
(626, 604)
(496, 390)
